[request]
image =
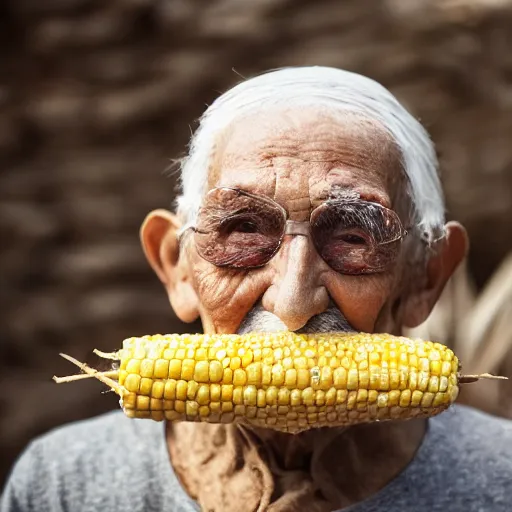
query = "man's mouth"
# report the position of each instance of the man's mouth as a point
(260, 320)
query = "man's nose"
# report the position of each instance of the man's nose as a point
(296, 293)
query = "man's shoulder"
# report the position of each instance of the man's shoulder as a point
(88, 462)
(101, 434)
(84, 445)
(465, 425)
(475, 449)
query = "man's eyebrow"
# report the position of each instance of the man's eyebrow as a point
(347, 193)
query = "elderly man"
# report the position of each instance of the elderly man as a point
(343, 231)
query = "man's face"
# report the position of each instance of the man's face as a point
(300, 158)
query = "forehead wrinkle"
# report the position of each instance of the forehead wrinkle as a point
(369, 147)
(361, 146)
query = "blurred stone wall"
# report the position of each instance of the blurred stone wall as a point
(97, 97)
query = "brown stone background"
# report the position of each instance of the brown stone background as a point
(95, 99)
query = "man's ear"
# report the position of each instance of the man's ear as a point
(449, 253)
(158, 235)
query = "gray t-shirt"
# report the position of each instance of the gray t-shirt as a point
(112, 463)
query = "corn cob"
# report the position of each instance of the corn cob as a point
(284, 381)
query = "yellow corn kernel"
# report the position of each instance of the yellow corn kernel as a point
(364, 379)
(227, 376)
(145, 386)
(170, 389)
(250, 395)
(192, 387)
(427, 399)
(266, 374)
(340, 377)
(156, 405)
(443, 384)
(181, 390)
(235, 363)
(308, 396)
(394, 378)
(179, 406)
(147, 368)
(295, 397)
(227, 392)
(247, 358)
(161, 370)
(238, 395)
(351, 399)
(261, 399)
(382, 399)
(435, 368)
(283, 396)
(215, 392)
(143, 403)
(416, 398)
(326, 377)
(303, 378)
(187, 369)
(132, 383)
(300, 363)
(287, 363)
(413, 380)
(175, 369)
(157, 390)
(133, 366)
(254, 374)
(423, 380)
(202, 371)
(384, 380)
(362, 395)
(239, 377)
(446, 368)
(278, 375)
(215, 371)
(394, 397)
(191, 408)
(290, 379)
(203, 394)
(352, 379)
(405, 398)
(320, 397)
(271, 395)
(433, 384)
(330, 396)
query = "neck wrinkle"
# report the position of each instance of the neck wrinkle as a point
(318, 470)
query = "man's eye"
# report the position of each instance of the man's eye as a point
(238, 226)
(352, 239)
(246, 227)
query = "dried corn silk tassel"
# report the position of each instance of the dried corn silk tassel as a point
(284, 381)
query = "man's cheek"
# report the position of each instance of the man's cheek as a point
(361, 299)
(226, 296)
(214, 288)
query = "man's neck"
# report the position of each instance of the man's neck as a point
(349, 464)
(339, 466)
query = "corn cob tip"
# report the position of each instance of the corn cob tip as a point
(468, 379)
(90, 372)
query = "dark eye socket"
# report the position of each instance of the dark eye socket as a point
(239, 225)
(246, 227)
(357, 237)
(352, 239)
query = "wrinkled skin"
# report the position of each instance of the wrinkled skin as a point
(298, 158)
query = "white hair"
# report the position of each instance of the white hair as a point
(337, 90)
